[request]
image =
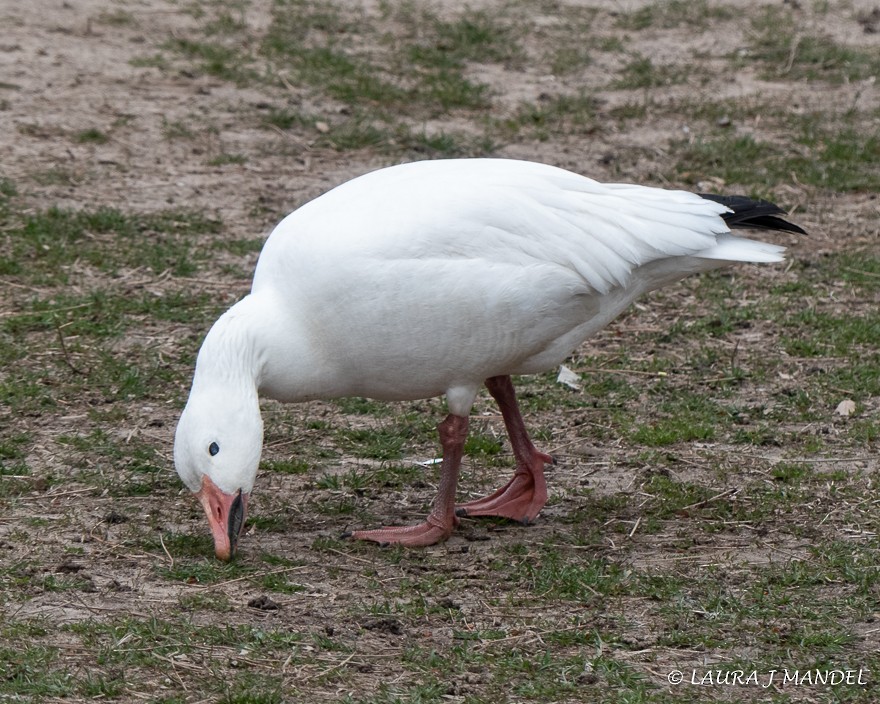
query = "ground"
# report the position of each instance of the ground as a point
(713, 509)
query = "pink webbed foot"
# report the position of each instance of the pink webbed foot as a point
(521, 499)
(441, 521)
(431, 532)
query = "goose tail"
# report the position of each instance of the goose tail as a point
(730, 248)
(748, 213)
(752, 213)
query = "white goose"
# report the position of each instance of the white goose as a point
(434, 278)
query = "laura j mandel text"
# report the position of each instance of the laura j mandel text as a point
(779, 678)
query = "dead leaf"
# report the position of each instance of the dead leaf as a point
(845, 408)
(569, 378)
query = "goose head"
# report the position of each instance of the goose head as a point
(216, 453)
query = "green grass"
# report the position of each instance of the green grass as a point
(59, 176)
(550, 575)
(552, 116)
(306, 44)
(669, 14)
(12, 452)
(791, 54)
(33, 671)
(92, 136)
(291, 466)
(285, 118)
(142, 471)
(840, 160)
(475, 35)
(830, 334)
(37, 245)
(482, 445)
(117, 18)
(213, 58)
(226, 158)
(642, 73)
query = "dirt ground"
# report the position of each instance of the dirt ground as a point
(70, 67)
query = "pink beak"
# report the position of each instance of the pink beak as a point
(226, 516)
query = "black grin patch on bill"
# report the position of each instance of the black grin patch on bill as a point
(236, 519)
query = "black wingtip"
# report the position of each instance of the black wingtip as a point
(753, 213)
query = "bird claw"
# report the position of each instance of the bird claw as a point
(349, 535)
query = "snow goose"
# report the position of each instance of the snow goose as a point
(431, 278)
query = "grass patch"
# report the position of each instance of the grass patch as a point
(137, 469)
(225, 158)
(33, 671)
(388, 89)
(214, 58)
(92, 136)
(552, 575)
(829, 334)
(291, 466)
(554, 115)
(642, 73)
(475, 35)
(669, 14)
(840, 161)
(791, 54)
(37, 246)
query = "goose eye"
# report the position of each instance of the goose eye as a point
(213, 449)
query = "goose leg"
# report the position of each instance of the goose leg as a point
(440, 522)
(525, 495)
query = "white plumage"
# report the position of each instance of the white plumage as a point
(430, 278)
